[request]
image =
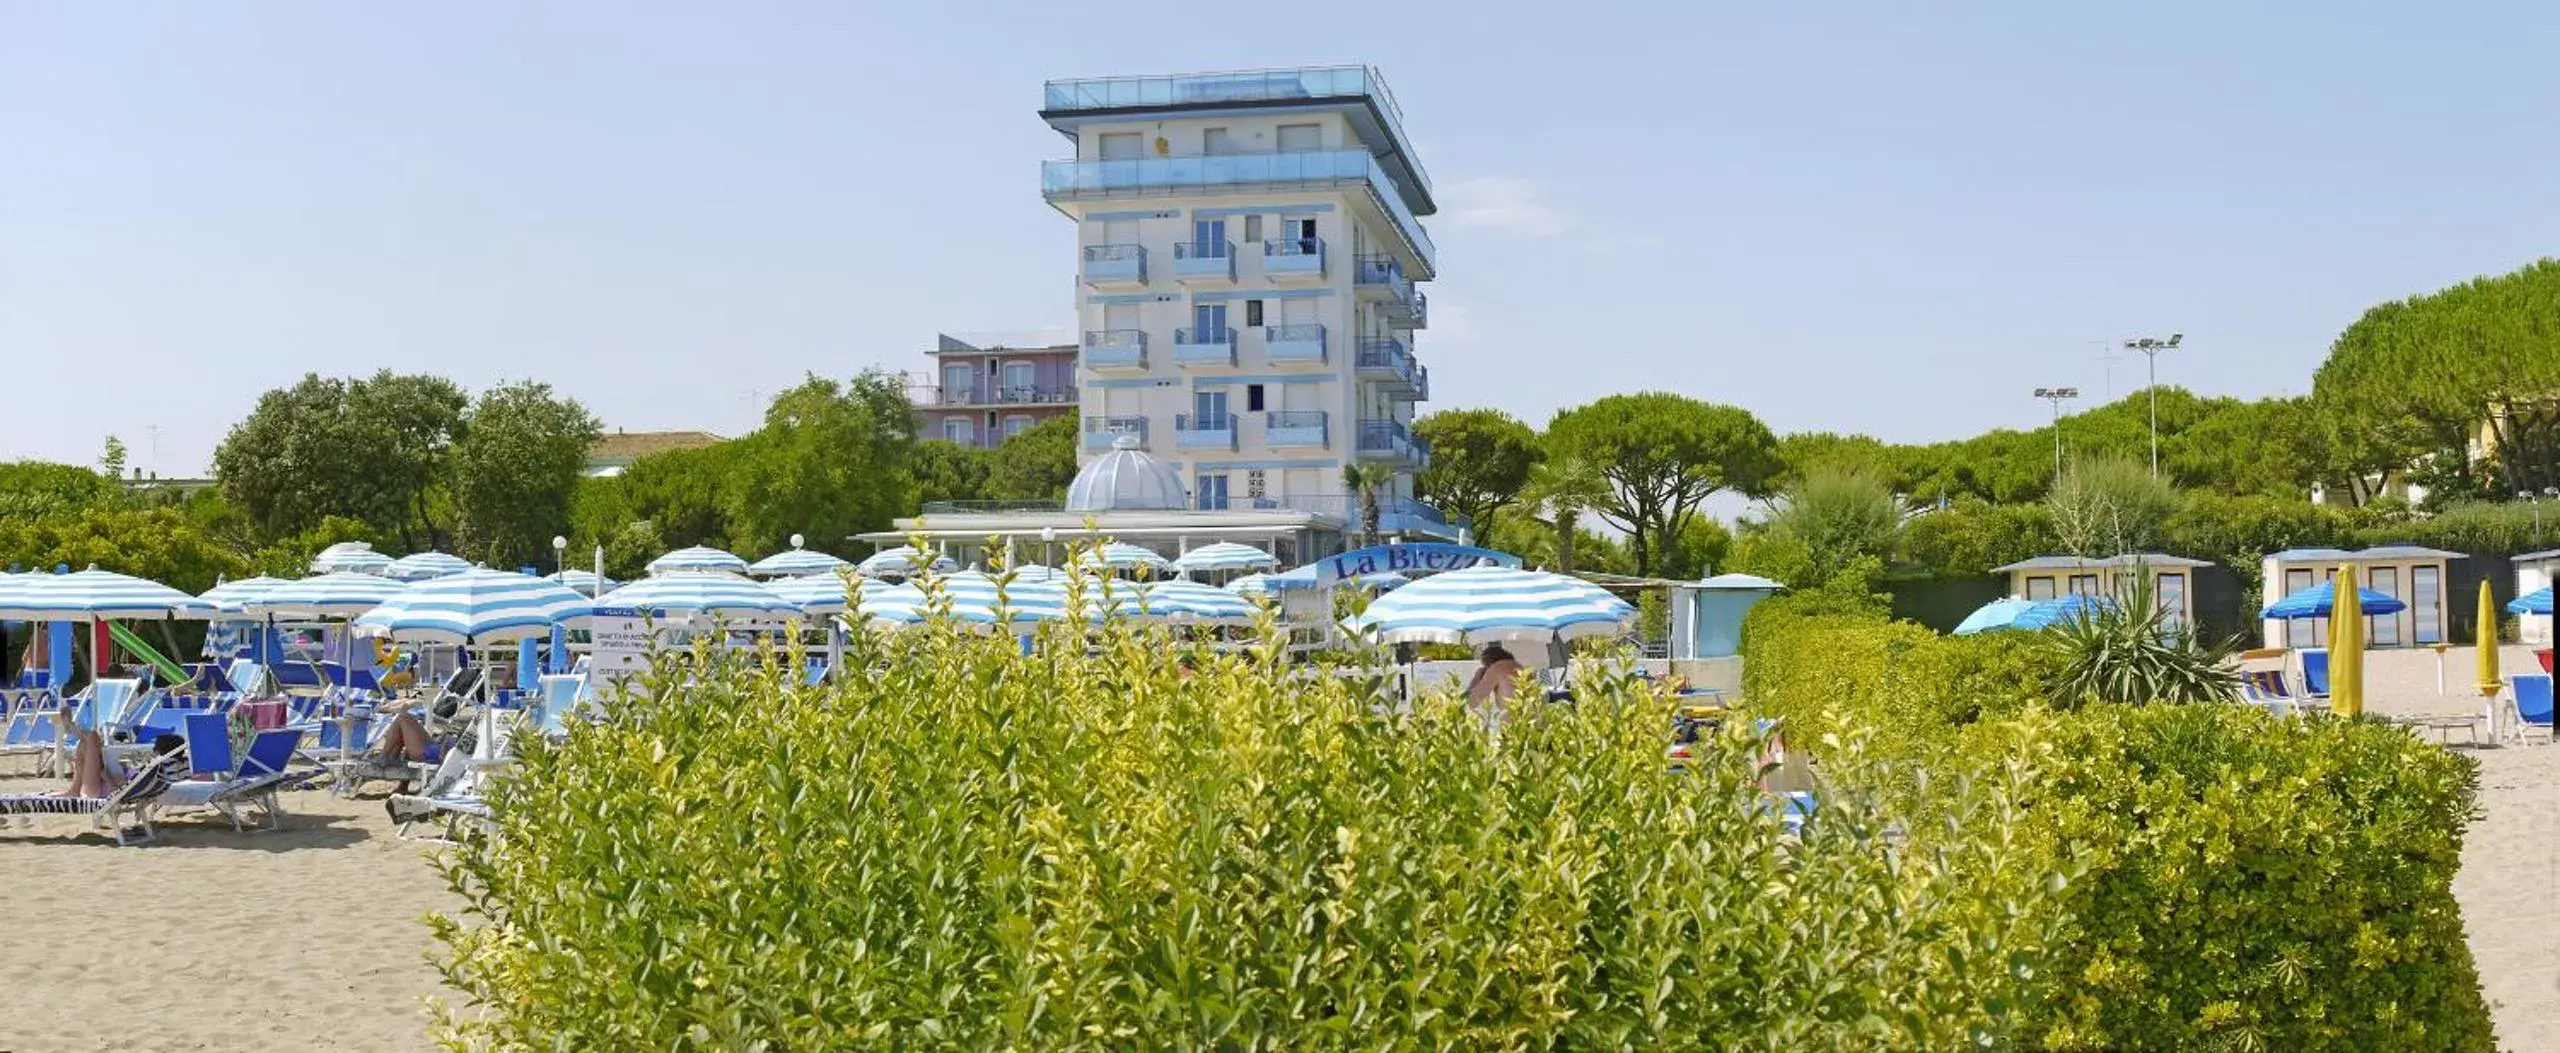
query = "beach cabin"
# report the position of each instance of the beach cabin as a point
(2535, 571)
(2418, 576)
(2173, 579)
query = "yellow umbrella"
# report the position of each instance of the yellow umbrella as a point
(2487, 645)
(2346, 647)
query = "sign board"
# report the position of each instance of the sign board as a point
(1427, 557)
(621, 645)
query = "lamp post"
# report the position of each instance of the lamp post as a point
(2056, 397)
(2151, 349)
(559, 554)
(2535, 500)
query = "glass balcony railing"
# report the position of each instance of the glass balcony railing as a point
(1237, 86)
(1205, 259)
(1115, 264)
(1193, 431)
(1394, 513)
(1204, 346)
(1137, 176)
(1115, 348)
(1293, 343)
(1387, 360)
(1101, 432)
(1295, 428)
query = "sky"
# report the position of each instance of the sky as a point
(1896, 219)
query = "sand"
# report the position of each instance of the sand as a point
(308, 938)
(304, 938)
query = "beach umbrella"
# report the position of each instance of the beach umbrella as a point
(2045, 614)
(886, 604)
(1192, 603)
(477, 606)
(695, 593)
(349, 557)
(2536, 602)
(2346, 645)
(95, 595)
(585, 582)
(1993, 616)
(1120, 555)
(794, 563)
(419, 566)
(813, 593)
(1036, 574)
(2487, 645)
(1381, 581)
(232, 597)
(899, 562)
(1489, 604)
(1254, 586)
(699, 557)
(2316, 601)
(979, 600)
(1225, 555)
(343, 594)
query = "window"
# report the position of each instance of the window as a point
(959, 430)
(1018, 380)
(2039, 588)
(2426, 605)
(1207, 321)
(1253, 228)
(2302, 632)
(1209, 238)
(1211, 491)
(2383, 630)
(1213, 141)
(1121, 146)
(1015, 424)
(958, 383)
(1253, 314)
(1300, 137)
(1253, 398)
(2084, 584)
(2173, 599)
(1209, 410)
(1300, 229)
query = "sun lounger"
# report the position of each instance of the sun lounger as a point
(2315, 673)
(454, 791)
(2532, 702)
(127, 811)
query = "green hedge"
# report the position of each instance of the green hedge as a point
(1147, 847)
(2237, 881)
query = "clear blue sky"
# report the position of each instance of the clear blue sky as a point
(1887, 220)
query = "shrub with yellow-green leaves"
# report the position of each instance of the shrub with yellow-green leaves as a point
(1140, 843)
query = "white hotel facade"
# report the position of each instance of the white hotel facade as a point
(1248, 289)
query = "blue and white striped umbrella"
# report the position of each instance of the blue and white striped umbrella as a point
(975, 599)
(420, 566)
(699, 557)
(349, 557)
(1034, 573)
(898, 563)
(1120, 555)
(1191, 603)
(813, 593)
(1255, 586)
(475, 607)
(2536, 602)
(888, 605)
(341, 595)
(1225, 555)
(1494, 604)
(692, 594)
(793, 563)
(232, 597)
(584, 582)
(95, 595)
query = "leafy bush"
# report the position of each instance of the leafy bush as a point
(2249, 882)
(1142, 846)
(2126, 653)
(1827, 671)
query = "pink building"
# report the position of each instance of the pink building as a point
(986, 387)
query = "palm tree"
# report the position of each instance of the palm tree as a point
(1564, 490)
(1366, 479)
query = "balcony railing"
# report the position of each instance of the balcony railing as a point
(1115, 265)
(1263, 85)
(1287, 259)
(1013, 396)
(1214, 260)
(1192, 431)
(1386, 361)
(1293, 343)
(1395, 513)
(1196, 346)
(1143, 176)
(1295, 428)
(1101, 432)
(1115, 349)
(1391, 440)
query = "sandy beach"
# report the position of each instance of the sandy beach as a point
(309, 938)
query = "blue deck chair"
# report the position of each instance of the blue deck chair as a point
(209, 746)
(2533, 703)
(2315, 673)
(265, 772)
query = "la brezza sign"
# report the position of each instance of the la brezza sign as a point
(1425, 557)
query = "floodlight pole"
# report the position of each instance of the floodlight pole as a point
(2151, 349)
(2056, 397)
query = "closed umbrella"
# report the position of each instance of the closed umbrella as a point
(476, 607)
(1993, 616)
(419, 566)
(2486, 644)
(699, 557)
(2346, 646)
(1494, 604)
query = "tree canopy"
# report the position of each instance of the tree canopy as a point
(1480, 461)
(519, 459)
(373, 449)
(1662, 455)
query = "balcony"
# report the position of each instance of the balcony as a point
(1101, 432)
(1293, 261)
(1115, 349)
(1138, 177)
(1293, 344)
(1295, 429)
(1063, 103)
(1380, 278)
(1192, 431)
(1195, 346)
(1390, 440)
(948, 395)
(1195, 262)
(1115, 266)
(1389, 364)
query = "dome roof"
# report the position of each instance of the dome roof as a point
(1126, 478)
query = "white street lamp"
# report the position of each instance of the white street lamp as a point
(2151, 349)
